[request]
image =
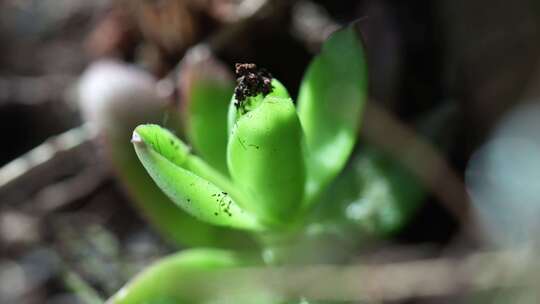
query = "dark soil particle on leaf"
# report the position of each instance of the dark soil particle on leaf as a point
(251, 81)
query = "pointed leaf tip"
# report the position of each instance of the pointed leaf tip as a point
(136, 138)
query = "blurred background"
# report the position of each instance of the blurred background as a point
(454, 97)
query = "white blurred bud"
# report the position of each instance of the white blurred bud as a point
(116, 97)
(503, 179)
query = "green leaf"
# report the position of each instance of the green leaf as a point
(375, 196)
(188, 181)
(206, 89)
(210, 276)
(207, 122)
(265, 158)
(171, 280)
(171, 221)
(330, 103)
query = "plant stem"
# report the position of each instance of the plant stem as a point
(81, 288)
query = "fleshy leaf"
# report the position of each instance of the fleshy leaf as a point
(205, 90)
(375, 196)
(169, 219)
(197, 276)
(265, 158)
(330, 103)
(188, 181)
(170, 280)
